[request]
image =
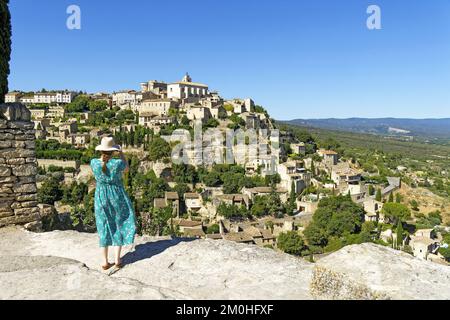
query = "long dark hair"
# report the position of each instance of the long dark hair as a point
(109, 154)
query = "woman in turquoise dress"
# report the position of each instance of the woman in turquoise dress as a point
(114, 214)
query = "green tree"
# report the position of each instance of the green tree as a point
(212, 179)
(274, 204)
(231, 211)
(259, 207)
(75, 193)
(181, 189)
(292, 203)
(391, 197)
(399, 233)
(212, 123)
(445, 253)
(79, 104)
(378, 196)
(272, 179)
(414, 205)
(398, 198)
(371, 190)
(291, 242)
(158, 222)
(5, 47)
(159, 149)
(214, 228)
(185, 121)
(97, 105)
(334, 217)
(50, 191)
(396, 212)
(313, 168)
(184, 173)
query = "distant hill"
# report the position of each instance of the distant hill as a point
(427, 128)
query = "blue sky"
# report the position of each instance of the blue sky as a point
(299, 59)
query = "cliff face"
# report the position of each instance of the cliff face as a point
(65, 264)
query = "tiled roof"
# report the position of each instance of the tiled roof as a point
(171, 196)
(187, 223)
(191, 195)
(238, 237)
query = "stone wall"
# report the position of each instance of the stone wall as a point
(18, 166)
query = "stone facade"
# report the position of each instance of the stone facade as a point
(18, 166)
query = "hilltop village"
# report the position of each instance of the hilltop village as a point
(309, 202)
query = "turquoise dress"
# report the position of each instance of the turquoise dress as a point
(114, 214)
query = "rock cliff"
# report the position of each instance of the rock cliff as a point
(65, 264)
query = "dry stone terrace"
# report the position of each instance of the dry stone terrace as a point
(18, 166)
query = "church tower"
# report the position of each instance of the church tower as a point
(187, 78)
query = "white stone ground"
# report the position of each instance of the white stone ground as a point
(66, 265)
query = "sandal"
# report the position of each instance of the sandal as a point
(119, 265)
(108, 266)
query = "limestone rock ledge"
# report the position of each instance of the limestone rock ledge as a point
(41, 277)
(177, 268)
(65, 265)
(369, 271)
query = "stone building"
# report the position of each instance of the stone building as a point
(13, 97)
(186, 89)
(18, 166)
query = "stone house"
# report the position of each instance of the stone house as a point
(216, 111)
(240, 237)
(12, 97)
(308, 204)
(41, 124)
(198, 112)
(372, 208)
(157, 107)
(148, 119)
(251, 193)
(189, 227)
(79, 140)
(298, 148)
(38, 113)
(70, 126)
(423, 246)
(171, 199)
(343, 173)
(186, 89)
(193, 201)
(330, 158)
(293, 172)
(232, 199)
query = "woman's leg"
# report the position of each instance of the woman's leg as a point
(105, 256)
(117, 251)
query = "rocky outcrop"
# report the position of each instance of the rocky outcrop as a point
(41, 277)
(18, 166)
(65, 264)
(179, 268)
(369, 271)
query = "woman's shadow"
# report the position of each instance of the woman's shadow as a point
(150, 249)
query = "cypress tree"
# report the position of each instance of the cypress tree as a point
(371, 190)
(313, 168)
(292, 199)
(5, 47)
(399, 232)
(378, 195)
(391, 197)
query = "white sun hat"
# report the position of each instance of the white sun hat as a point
(108, 144)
